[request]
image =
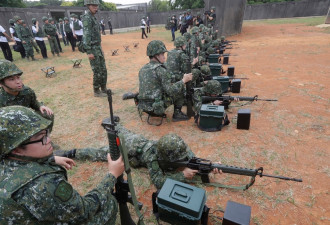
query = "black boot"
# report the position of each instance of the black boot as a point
(98, 93)
(178, 115)
(104, 89)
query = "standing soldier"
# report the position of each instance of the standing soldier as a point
(77, 28)
(50, 31)
(211, 19)
(52, 22)
(61, 25)
(92, 46)
(173, 26)
(4, 44)
(39, 35)
(110, 25)
(15, 37)
(68, 33)
(23, 33)
(143, 28)
(148, 24)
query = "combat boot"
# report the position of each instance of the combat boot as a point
(98, 93)
(178, 115)
(104, 89)
(33, 59)
(37, 50)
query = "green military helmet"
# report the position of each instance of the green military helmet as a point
(205, 70)
(210, 50)
(201, 26)
(222, 38)
(66, 18)
(196, 74)
(213, 7)
(17, 125)
(44, 18)
(194, 30)
(180, 41)
(16, 18)
(187, 36)
(50, 19)
(34, 20)
(91, 2)
(199, 14)
(201, 60)
(155, 47)
(11, 21)
(213, 87)
(215, 43)
(172, 148)
(60, 20)
(8, 69)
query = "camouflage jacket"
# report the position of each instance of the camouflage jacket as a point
(155, 85)
(197, 99)
(193, 47)
(177, 62)
(26, 98)
(23, 33)
(38, 193)
(49, 29)
(92, 36)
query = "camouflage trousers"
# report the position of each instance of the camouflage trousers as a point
(53, 45)
(100, 74)
(28, 47)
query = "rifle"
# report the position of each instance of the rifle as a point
(229, 77)
(228, 98)
(205, 166)
(122, 187)
(190, 111)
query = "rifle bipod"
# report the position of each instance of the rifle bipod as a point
(151, 115)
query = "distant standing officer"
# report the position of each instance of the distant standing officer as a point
(68, 33)
(24, 33)
(77, 28)
(50, 31)
(92, 46)
(211, 19)
(17, 40)
(110, 25)
(39, 35)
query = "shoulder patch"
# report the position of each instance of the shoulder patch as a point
(63, 191)
(85, 22)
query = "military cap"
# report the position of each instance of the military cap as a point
(74, 16)
(65, 18)
(91, 2)
(155, 47)
(213, 87)
(8, 69)
(60, 20)
(17, 18)
(172, 148)
(44, 18)
(188, 10)
(180, 41)
(194, 30)
(11, 21)
(17, 125)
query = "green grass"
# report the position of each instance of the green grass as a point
(309, 21)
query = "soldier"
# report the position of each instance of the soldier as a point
(156, 92)
(177, 61)
(68, 33)
(146, 153)
(39, 35)
(52, 22)
(143, 28)
(24, 34)
(4, 44)
(92, 46)
(211, 19)
(33, 183)
(61, 25)
(173, 26)
(195, 45)
(187, 37)
(18, 41)
(13, 91)
(198, 20)
(50, 31)
(77, 28)
(110, 26)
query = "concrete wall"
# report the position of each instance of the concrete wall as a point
(161, 17)
(303, 8)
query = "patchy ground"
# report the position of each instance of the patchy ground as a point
(289, 62)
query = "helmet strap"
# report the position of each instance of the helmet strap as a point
(47, 159)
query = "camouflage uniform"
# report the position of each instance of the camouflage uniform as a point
(194, 43)
(50, 31)
(212, 87)
(24, 34)
(92, 45)
(35, 190)
(141, 153)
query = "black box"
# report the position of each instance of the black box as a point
(243, 119)
(231, 71)
(236, 85)
(225, 59)
(237, 214)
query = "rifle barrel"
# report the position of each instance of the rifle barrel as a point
(280, 177)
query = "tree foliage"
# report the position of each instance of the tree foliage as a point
(12, 3)
(64, 3)
(106, 6)
(159, 5)
(186, 4)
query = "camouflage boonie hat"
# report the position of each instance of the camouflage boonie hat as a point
(187, 36)
(171, 148)
(11, 21)
(91, 2)
(196, 74)
(213, 87)
(180, 41)
(205, 70)
(194, 30)
(155, 47)
(18, 124)
(17, 18)
(44, 18)
(8, 69)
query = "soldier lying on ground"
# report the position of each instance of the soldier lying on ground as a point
(13, 91)
(33, 184)
(146, 153)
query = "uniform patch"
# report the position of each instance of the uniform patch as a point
(64, 191)
(155, 165)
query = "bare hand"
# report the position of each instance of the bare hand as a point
(189, 173)
(195, 60)
(24, 42)
(217, 102)
(45, 108)
(116, 168)
(217, 171)
(65, 162)
(48, 36)
(187, 77)
(91, 57)
(75, 36)
(236, 99)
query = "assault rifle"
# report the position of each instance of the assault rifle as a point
(190, 111)
(206, 99)
(122, 187)
(205, 166)
(230, 77)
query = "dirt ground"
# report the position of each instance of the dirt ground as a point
(288, 62)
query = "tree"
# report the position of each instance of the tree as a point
(12, 3)
(186, 4)
(159, 5)
(107, 6)
(64, 3)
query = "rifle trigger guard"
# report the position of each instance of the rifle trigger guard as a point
(260, 171)
(256, 99)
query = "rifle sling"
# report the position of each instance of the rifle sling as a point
(130, 181)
